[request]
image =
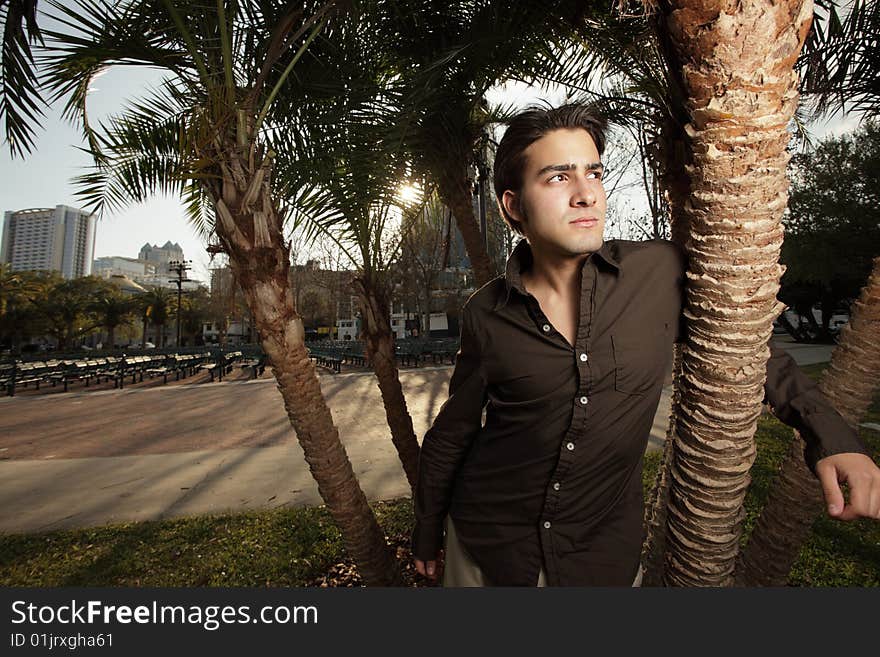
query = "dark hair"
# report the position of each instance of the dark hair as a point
(528, 127)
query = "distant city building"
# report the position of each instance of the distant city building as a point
(135, 269)
(167, 280)
(161, 255)
(143, 272)
(127, 286)
(58, 239)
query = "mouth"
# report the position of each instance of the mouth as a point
(584, 222)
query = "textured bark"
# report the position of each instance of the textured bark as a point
(380, 351)
(249, 229)
(456, 194)
(654, 547)
(676, 185)
(737, 60)
(796, 497)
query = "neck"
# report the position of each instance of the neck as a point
(555, 273)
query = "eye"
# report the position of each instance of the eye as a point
(559, 176)
(595, 175)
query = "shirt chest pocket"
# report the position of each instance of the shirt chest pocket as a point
(640, 364)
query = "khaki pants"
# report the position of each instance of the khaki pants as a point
(460, 570)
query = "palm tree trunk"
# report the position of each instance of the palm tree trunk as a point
(654, 548)
(250, 229)
(111, 336)
(380, 351)
(456, 194)
(675, 185)
(742, 91)
(796, 498)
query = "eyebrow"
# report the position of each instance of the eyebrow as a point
(592, 166)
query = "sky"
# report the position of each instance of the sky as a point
(44, 178)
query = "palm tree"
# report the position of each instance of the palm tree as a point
(209, 132)
(112, 310)
(737, 70)
(796, 498)
(448, 55)
(17, 289)
(647, 93)
(356, 204)
(157, 304)
(10, 282)
(424, 255)
(195, 311)
(66, 308)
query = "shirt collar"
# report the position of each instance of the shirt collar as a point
(521, 259)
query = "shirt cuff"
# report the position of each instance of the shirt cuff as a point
(837, 437)
(427, 540)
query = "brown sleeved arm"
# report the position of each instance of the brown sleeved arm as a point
(796, 400)
(447, 442)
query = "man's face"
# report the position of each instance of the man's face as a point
(561, 205)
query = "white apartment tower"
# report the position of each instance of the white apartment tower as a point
(58, 239)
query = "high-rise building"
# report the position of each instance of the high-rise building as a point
(161, 255)
(58, 239)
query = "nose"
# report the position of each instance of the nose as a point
(584, 194)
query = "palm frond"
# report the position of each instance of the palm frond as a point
(146, 149)
(840, 63)
(21, 106)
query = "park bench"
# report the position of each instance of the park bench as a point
(16, 374)
(218, 365)
(353, 352)
(136, 367)
(326, 357)
(76, 370)
(442, 349)
(181, 364)
(161, 368)
(409, 352)
(230, 360)
(257, 365)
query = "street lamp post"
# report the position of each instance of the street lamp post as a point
(179, 267)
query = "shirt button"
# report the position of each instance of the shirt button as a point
(569, 447)
(546, 524)
(584, 400)
(583, 358)
(546, 328)
(556, 486)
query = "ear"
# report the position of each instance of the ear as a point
(510, 202)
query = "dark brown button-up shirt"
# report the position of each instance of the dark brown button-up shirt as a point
(553, 476)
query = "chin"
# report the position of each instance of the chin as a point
(584, 245)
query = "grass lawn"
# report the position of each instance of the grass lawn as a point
(302, 547)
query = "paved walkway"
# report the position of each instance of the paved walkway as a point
(804, 354)
(83, 459)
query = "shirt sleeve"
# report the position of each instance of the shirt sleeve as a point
(447, 442)
(797, 401)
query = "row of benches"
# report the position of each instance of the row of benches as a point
(332, 354)
(226, 362)
(18, 374)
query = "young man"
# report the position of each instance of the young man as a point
(567, 354)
